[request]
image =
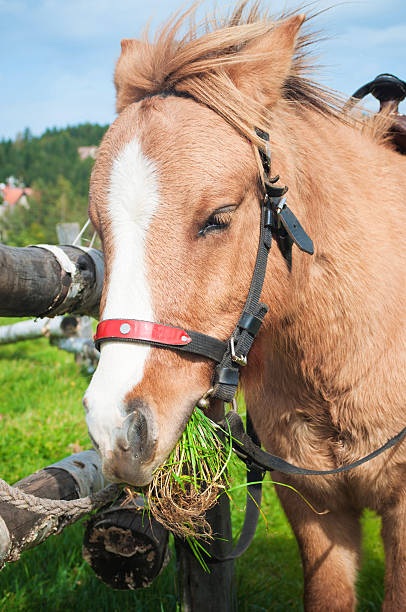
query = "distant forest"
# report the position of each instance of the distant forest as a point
(51, 166)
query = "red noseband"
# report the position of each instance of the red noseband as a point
(143, 331)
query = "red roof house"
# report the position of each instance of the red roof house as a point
(13, 195)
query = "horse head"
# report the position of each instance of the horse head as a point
(174, 196)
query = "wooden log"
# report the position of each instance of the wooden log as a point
(76, 476)
(68, 333)
(125, 547)
(34, 283)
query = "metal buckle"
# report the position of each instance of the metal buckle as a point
(204, 401)
(240, 359)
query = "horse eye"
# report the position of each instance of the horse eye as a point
(218, 221)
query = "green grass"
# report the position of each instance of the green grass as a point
(41, 421)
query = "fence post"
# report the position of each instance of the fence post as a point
(215, 591)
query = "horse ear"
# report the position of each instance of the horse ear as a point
(126, 43)
(131, 55)
(263, 76)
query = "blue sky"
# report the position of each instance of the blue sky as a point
(57, 56)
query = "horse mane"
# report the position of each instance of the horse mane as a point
(196, 63)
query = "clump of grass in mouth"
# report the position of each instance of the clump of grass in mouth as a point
(191, 479)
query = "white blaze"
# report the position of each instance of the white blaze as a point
(132, 200)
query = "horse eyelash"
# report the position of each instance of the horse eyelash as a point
(222, 218)
(216, 221)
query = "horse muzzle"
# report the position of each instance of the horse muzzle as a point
(128, 449)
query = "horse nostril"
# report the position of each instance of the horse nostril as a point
(137, 432)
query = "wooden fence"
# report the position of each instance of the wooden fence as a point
(123, 545)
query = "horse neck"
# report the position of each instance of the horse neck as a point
(318, 311)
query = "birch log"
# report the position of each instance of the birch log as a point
(58, 327)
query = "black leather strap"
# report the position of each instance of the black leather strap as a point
(206, 346)
(249, 451)
(255, 477)
(276, 218)
(252, 512)
(227, 376)
(252, 315)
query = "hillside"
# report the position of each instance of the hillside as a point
(51, 165)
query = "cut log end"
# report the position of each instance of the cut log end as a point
(125, 548)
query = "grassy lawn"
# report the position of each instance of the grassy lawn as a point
(42, 421)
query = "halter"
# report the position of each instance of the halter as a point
(276, 220)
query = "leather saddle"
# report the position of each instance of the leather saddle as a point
(390, 91)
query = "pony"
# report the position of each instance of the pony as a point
(174, 196)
